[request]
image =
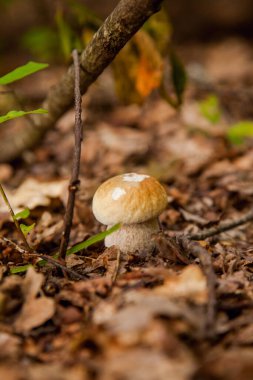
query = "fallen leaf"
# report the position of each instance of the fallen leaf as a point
(34, 313)
(147, 364)
(190, 285)
(35, 310)
(33, 193)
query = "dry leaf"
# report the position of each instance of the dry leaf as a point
(33, 193)
(147, 364)
(35, 311)
(190, 285)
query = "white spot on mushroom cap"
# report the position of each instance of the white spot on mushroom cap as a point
(117, 193)
(133, 177)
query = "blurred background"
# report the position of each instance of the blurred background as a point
(44, 29)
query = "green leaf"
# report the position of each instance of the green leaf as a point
(26, 229)
(92, 240)
(178, 75)
(22, 214)
(20, 269)
(210, 109)
(238, 132)
(22, 71)
(14, 114)
(76, 248)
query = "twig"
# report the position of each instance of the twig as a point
(43, 257)
(206, 263)
(16, 246)
(22, 236)
(74, 182)
(59, 265)
(224, 226)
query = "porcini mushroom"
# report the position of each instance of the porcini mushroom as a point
(135, 201)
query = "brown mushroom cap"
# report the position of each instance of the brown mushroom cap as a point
(129, 198)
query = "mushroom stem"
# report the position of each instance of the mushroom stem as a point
(134, 237)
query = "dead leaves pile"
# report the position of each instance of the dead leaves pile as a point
(127, 331)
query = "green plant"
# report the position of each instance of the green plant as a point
(210, 109)
(15, 75)
(24, 214)
(240, 131)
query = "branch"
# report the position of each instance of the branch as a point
(47, 258)
(222, 227)
(17, 225)
(74, 182)
(125, 20)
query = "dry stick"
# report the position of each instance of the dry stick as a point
(59, 265)
(74, 182)
(22, 236)
(224, 226)
(44, 257)
(125, 20)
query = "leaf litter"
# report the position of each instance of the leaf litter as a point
(134, 316)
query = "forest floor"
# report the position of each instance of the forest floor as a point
(137, 316)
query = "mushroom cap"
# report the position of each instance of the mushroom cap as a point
(129, 198)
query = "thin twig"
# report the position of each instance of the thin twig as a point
(47, 258)
(63, 267)
(206, 263)
(222, 227)
(22, 236)
(12, 243)
(74, 182)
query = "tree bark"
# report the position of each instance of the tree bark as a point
(125, 20)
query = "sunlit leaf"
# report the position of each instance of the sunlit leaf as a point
(178, 75)
(14, 114)
(22, 214)
(148, 77)
(238, 132)
(210, 109)
(138, 69)
(20, 269)
(22, 71)
(26, 229)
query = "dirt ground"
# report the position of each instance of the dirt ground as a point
(137, 316)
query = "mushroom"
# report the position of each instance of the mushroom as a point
(135, 201)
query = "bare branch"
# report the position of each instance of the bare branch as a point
(74, 182)
(21, 234)
(222, 227)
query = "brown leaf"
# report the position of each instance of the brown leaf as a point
(189, 285)
(34, 313)
(32, 283)
(143, 364)
(33, 193)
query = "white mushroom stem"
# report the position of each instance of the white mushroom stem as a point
(134, 237)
